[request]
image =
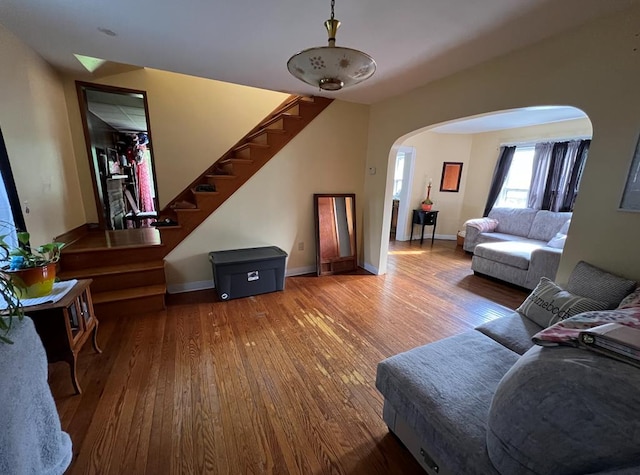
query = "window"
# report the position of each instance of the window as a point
(397, 175)
(515, 191)
(10, 212)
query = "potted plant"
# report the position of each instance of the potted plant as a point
(32, 271)
(24, 273)
(427, 204)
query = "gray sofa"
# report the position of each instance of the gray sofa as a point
(488, 401)
(517, 245)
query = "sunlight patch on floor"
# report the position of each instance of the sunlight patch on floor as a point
(407, 253)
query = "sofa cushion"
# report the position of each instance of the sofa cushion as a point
(443, 390)
(565, 410)
(549, 303)
(546, 224)
(590, 281)
(513, 253)
(516, 221)
(513, 331)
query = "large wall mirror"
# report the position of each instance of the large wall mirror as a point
(120, 151)
(335, 233)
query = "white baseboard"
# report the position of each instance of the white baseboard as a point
(300, 271)
(190, 286)
(368, 267)
(208, 284)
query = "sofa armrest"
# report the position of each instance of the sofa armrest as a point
(544, 263)
(473, 229)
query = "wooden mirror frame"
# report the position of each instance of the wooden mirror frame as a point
(451, 175)
(328, 257)
(81, 88)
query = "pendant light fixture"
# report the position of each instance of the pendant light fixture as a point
(331, 67)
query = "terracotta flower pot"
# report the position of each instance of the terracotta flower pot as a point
(34, 281)
(426, 207)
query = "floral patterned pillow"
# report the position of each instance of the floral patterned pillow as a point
(566, 332)
(631, 300)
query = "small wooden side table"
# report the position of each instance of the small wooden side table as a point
(65, 326)
(424, 218)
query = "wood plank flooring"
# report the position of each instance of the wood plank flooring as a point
(279, 383)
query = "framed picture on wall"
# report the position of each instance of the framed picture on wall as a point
(631, 195)
(451, 175)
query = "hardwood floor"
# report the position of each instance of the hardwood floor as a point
(278, 383)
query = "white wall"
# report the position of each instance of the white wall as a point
(594, 68)
(34, 122)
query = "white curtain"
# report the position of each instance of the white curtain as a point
(541, 160)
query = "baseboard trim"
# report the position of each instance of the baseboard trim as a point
(190, 286)
(369, 268)
(300, 271)
(209, 284)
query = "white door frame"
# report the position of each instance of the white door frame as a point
(405, 193)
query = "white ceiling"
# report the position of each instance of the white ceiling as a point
(249, 42)
(510, 120)
(123, 112)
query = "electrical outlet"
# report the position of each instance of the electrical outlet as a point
(300, 246)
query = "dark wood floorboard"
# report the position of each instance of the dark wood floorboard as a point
(279, 383)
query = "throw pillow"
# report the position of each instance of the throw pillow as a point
(548, 303)
(631, 300)
(557, 241)
(567, 331)
(598, 284)
(484, 225)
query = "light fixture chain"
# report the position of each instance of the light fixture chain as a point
(333, 4)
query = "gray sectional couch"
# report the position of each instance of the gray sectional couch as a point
(517, 245)
(488, 401)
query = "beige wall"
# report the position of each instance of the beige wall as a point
(478, 153)
(432, 149)
(35, 126)
(193, 122)
(593, 68)
(275, 207)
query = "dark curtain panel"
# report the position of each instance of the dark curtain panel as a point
(571, 191)
(499, 175)
(553, 178)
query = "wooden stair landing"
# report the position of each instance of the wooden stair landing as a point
(127, 266)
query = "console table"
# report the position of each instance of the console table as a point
(424, 218)
(64, 326)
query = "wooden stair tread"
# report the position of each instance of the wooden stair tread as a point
(119, 248)
(248, 161)
(129, 294)
(280, 117)
(266, 131)
(109, 270)
(220, 177)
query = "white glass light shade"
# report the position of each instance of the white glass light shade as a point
(331, 67)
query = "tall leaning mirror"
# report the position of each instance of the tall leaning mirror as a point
(335, 216)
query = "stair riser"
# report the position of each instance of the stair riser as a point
(129, 307)
(109, 257)
(105, 283)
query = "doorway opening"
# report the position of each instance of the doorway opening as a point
(402, 184)
(120, 153)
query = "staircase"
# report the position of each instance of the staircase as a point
(128, 275)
